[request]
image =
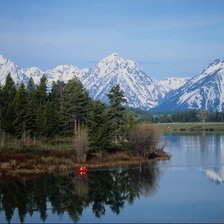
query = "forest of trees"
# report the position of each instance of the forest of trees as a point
(189, 116)
(33, 111)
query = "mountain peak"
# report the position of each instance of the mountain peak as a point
(3, 59)
(114, 57)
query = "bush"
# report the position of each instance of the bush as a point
(81, 144)
(143, 139)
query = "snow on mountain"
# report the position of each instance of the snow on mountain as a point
(65, 73)
(33, 72)
(204, 91)
(7, 66)
(140, 89)
(173, 83)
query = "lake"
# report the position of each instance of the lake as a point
(187, 188)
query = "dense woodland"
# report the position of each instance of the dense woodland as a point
(34, 111)
(30, 112)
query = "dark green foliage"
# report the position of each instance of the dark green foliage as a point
(8, 109)
(188, 116)
(75, 104)
(41, 100)
(117, 114)
(51, 119)
(141, 115)
(31, 109)
(20, 103)
(100, 136)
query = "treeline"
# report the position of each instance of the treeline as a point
(190, 116)
(33, 111)
(181, 116)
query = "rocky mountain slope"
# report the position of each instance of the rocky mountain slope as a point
(205, 91)
(173, 83)
(140, 89)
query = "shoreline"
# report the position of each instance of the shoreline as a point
(22, 164)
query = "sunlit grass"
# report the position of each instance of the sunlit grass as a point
(191, 127)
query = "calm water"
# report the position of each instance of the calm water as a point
(188, 188)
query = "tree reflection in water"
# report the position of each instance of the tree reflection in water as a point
(73, 193)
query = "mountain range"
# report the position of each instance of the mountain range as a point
(203, 91)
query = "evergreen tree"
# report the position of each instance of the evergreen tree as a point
(41, 99)
(56, 97)
(8, 109)
(20, 103)
(100, 137)
(51, 120)
(31, 111)
(75, 107)
(117, 113)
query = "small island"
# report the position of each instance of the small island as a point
(55, 130)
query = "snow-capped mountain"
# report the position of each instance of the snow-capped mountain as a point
(33, 72)
(205, 91)
(140, 89)
(7, 66)
(65, 73)
(173, 83)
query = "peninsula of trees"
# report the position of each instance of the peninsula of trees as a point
(64, 118)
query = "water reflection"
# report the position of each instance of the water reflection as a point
(200, 151)
(216, 175)
(73, 193)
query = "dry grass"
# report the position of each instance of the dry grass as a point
(22, 164)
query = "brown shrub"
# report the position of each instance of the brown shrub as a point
(143, 139)
(81, 145)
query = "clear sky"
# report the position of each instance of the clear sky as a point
(165, 37)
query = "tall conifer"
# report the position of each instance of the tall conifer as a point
(8, 109)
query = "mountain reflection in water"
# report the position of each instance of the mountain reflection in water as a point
(72, 193)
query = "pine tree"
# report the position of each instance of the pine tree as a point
(75, 107)
(20, 103)
(8, 109)
(41, 99)
(100, 137)
(31, 112)
(56, 97)
(117, 113)
(51, 120)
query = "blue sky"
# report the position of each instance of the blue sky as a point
(165, 37)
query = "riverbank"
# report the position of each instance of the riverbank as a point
(191, 127)
(35, 163)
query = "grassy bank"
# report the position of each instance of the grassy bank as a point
(196, 127)
(34, 163)
(55, 155)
